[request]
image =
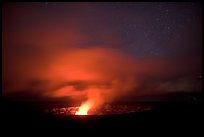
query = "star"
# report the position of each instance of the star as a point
(168, 28)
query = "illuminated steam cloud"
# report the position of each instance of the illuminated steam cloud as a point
(99, 75)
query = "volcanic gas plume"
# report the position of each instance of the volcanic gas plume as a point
(97, 76)
(93, 76)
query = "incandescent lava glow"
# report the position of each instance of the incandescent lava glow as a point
(84, 108)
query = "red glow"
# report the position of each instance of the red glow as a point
(84, 108)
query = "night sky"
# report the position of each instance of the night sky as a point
(112, 50)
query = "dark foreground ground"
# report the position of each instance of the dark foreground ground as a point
(168, 118)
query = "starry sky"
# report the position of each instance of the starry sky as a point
(55, 50)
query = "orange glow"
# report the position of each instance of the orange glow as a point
(84, 108)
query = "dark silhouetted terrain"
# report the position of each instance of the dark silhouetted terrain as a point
(166, 116)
